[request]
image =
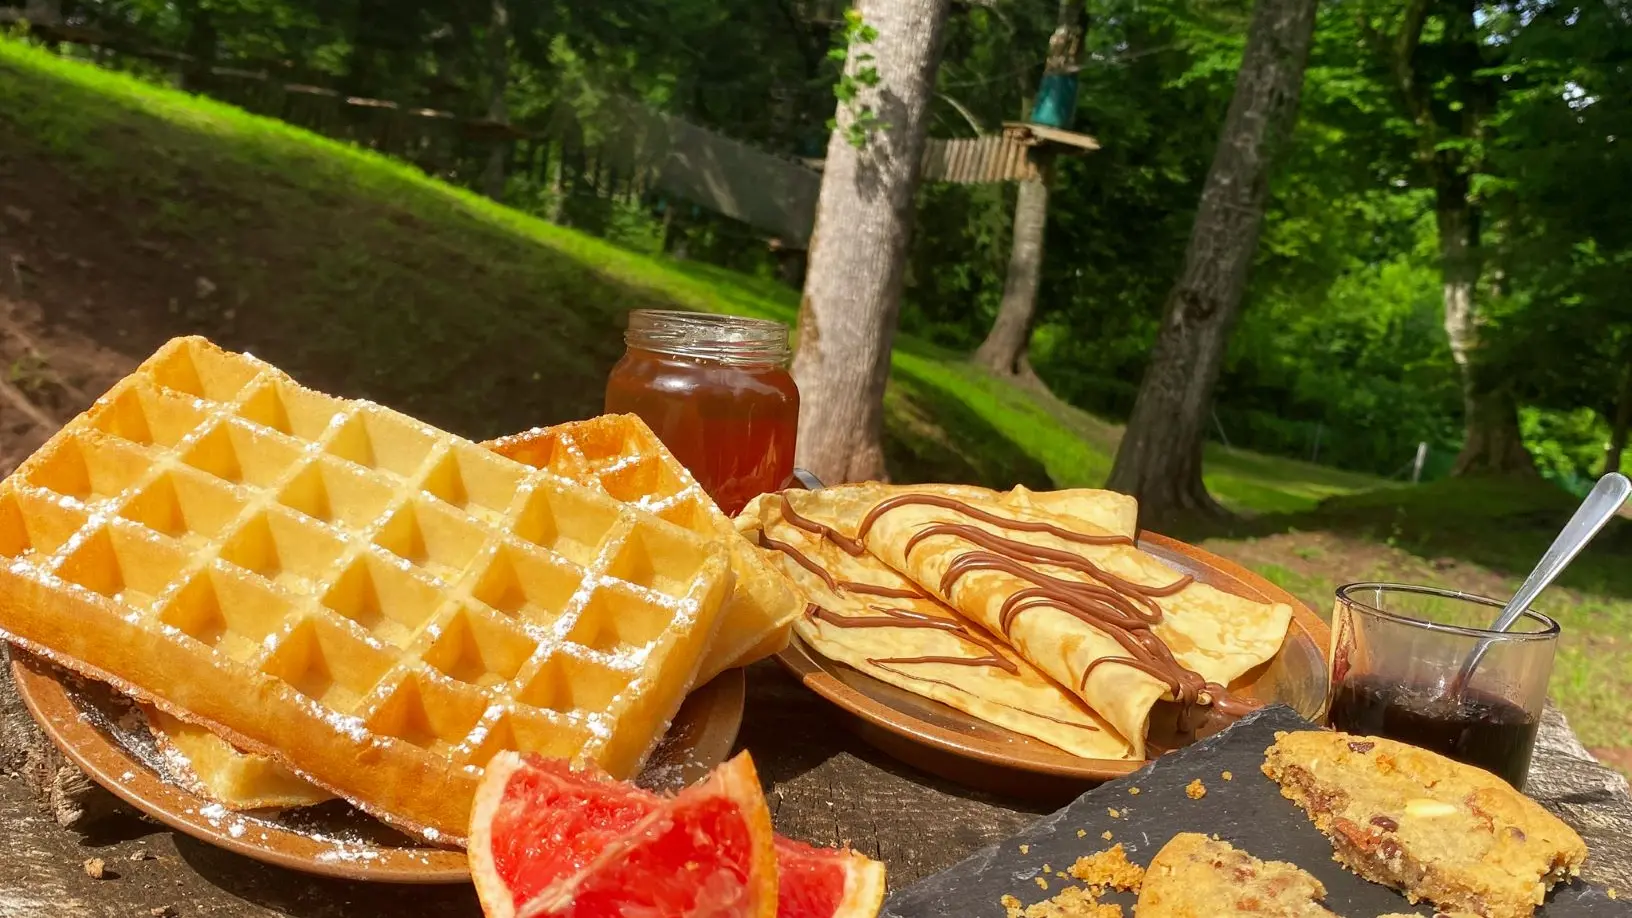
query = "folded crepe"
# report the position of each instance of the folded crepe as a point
(1072, 594)
(862, 613)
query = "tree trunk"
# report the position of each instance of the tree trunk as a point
(1490, 418)
(199, 46)
(852, 296)
(1622, 421)
(498, 77)
(1159, 459)
(1006, 344)
(1005, 348)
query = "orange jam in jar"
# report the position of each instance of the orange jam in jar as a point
(716, 391)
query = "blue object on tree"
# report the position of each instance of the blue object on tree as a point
(1056, 104)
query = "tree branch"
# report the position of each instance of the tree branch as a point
(963, 110)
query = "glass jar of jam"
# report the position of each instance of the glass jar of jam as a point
(716, 391)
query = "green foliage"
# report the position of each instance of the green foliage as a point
(850, 50)
(1342, 339)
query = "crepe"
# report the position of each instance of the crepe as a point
(862, 613)
(1072, 595)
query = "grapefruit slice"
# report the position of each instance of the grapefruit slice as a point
(826, 882)
(537, 823)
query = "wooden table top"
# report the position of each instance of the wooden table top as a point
(825, 786)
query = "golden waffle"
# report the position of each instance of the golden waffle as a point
(379, 605)
(622, 455)
(208, 766)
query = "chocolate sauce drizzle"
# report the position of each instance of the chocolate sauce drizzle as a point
(1123, 610)
(888, 617)
(906, 618)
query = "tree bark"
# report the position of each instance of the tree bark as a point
(1159, 459)
(1493, 443)
(852, 295)
(498, 76)
(199, 46)
(1006, 344)
(1005, 349)
(1621, 423)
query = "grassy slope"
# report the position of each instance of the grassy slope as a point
(363, 276)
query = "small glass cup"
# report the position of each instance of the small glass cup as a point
(1396, 654)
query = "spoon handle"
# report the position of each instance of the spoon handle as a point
(1594, 513)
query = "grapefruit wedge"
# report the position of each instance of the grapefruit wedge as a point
(537, 824)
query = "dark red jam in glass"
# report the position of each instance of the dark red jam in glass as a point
(716, 391)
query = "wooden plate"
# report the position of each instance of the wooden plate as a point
(967, 750)
(102, 732)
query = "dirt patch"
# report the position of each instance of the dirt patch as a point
(82, 299)
(1616, 757)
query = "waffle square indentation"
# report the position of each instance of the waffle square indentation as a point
(277, 545)
(227, 611)
(530, 731)
(568, 683)
(375, 438)
(185, 505)
(289, 409)
(523, 585)
(479, 648)
(201, 371)
(571, 522)
(88, 468)
(432, 538)
(130, 565)
(321, 661)
(147, 416)
(476, 481)
(337, 493)
(243, 454)
(391, 602)
(429, 713)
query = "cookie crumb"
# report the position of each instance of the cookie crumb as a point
(1082, 833)
(1111, 868)
(1042, 883)
(1106, 835)
(1072, 902)
(93, 868)
(1227, 776)
(1195, 790)
(1114, 813)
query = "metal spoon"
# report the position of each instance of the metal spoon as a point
(1597, 510)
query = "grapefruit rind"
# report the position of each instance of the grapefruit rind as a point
(491, 891)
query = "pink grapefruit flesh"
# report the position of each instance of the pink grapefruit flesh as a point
(538, 821)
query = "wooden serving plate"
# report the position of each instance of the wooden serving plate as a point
(967, 750)
(102, 732)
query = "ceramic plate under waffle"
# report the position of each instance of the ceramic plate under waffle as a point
(379, 605)
(101, 731)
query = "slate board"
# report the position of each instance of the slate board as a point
(1247, 811)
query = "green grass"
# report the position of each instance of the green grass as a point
(363, 276)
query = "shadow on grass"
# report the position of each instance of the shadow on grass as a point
(930, 435)
(1501, 524)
